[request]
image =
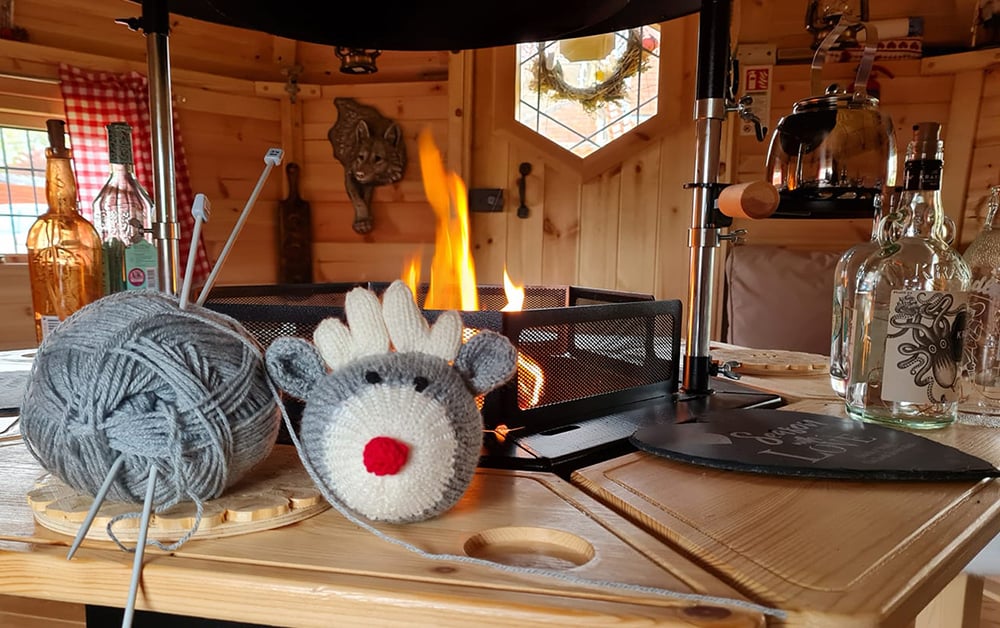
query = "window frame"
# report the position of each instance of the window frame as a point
(27, 102)
(669, 110)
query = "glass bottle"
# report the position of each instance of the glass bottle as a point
(981, 384)
(845, 280)
(910, 307)
(64, 250)
(123, 213)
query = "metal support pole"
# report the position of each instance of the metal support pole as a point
(710, 111)
(166, 231)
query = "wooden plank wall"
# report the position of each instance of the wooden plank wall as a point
(230, 98)
(623, 227)
(404, 222)
(984, 168)
(909, 97)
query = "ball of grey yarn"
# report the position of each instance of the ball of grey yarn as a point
(133, 375)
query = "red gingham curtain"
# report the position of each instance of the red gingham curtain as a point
(95, 99)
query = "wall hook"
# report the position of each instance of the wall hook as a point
(525, 170)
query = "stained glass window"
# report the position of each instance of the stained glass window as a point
(584, 93)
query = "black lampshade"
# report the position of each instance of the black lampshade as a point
(432, 24)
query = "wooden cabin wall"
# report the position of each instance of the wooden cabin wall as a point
(620, 224)
(618, 220)
(958, 90)
(229, 88)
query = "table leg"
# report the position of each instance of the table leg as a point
(958, 605)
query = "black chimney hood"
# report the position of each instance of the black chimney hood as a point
(433, 24)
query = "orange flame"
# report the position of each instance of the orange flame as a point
(411, 273)
(514, 294)
(530, 378)
(453, 273)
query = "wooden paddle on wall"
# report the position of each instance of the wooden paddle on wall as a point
(294, 233)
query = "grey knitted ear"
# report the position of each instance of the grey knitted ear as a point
(295, 365)
(486, 361)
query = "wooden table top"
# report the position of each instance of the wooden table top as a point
(828, 553)
(308, 572)
(831, 552)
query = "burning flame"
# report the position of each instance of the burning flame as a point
(530, 378)
(411, 273)
(514, 294)
(453, 274)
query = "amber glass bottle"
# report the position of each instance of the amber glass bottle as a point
(64, 250)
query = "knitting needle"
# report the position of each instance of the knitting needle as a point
(140, 548)
(271, 159)
(94, 507)
(200, 209)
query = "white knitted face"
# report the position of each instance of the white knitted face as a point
(406, 415)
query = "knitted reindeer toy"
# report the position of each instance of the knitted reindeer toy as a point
(393, 435)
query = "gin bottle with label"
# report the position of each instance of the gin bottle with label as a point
(64, 250)
(910, 307)
(845, 280)
(123, 213)
(981, 390)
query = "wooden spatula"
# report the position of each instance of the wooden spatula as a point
(294, 233)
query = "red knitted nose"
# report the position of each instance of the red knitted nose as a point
(385, 456)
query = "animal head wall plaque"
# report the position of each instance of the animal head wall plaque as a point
(371, 148)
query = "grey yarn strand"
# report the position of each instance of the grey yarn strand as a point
(134, 375)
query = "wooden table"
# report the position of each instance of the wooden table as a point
(325, 570)
(827, 553)
(831, 552)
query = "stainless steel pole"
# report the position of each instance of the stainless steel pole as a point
(166, 230)
(710, 110)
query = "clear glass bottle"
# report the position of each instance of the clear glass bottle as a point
(64, 250)
(845, 281)
(123, 213)
(981, 383)
(910, 307)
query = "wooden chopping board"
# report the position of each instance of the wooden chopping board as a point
(294, 233)
(276, 493)
(770, 361)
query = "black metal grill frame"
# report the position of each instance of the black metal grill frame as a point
(627, 345)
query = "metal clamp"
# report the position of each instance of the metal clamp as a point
(736, 236)
(726, 369)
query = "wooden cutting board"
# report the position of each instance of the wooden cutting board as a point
(278, 492)
(771, 361)
(294, 233)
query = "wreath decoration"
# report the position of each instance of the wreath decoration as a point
(549, 80)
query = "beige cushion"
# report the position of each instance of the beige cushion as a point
(778, 298)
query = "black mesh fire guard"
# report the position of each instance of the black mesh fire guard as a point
(580, 350)
(609, 361)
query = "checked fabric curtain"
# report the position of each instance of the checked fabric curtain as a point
(93, 100)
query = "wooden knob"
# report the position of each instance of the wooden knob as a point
(754, 200)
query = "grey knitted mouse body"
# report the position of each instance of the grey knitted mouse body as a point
(393, 435)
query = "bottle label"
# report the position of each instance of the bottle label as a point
(49, 324)
(923, 347)
(140, 266)
(922, 174)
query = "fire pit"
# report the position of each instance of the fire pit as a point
(593, 365)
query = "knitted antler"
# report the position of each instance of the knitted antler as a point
(371, 325)
(339, 344)
(410, 331)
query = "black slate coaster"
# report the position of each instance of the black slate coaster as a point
(801, 444)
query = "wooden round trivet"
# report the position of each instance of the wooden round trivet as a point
(278, 492)
(771, 362)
